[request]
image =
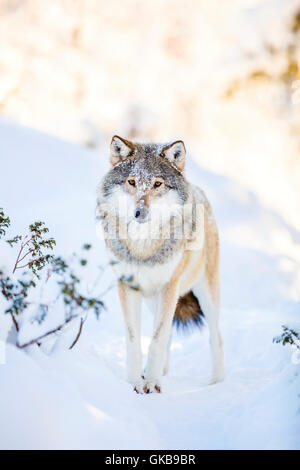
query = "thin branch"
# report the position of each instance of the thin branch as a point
(18, 257)
(110, 287)
(14, 321)
(102, 270)
(30, 262)
(55, 330)
(28, 252)
(78, 334)
(20, 251)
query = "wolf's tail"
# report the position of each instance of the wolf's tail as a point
(188, 312)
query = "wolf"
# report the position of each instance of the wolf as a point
(163, 243)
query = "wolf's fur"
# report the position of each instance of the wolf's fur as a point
(142, 202)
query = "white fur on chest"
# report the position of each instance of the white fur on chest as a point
(149, 279)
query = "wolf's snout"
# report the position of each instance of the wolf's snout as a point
(141, 214)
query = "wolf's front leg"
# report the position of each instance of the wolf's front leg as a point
(161, 335)
(131, 306)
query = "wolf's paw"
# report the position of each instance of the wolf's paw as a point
(152, 387)
(138, 385)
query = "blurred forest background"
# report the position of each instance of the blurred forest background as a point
(223, 75)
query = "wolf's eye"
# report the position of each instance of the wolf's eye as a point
(131, 182)
(157, 184)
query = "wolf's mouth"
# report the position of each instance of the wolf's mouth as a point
(142, 221)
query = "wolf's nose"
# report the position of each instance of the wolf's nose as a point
(141, 214)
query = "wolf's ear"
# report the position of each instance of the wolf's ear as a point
(175, 153)
(120, 149)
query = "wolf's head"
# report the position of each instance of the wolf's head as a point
(146, 181)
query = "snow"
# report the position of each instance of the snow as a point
(79, 398)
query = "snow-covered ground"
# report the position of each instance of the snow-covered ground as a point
(79, 398)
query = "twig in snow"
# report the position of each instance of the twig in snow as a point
(78, 334)
(39, 338)
(14, 321)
